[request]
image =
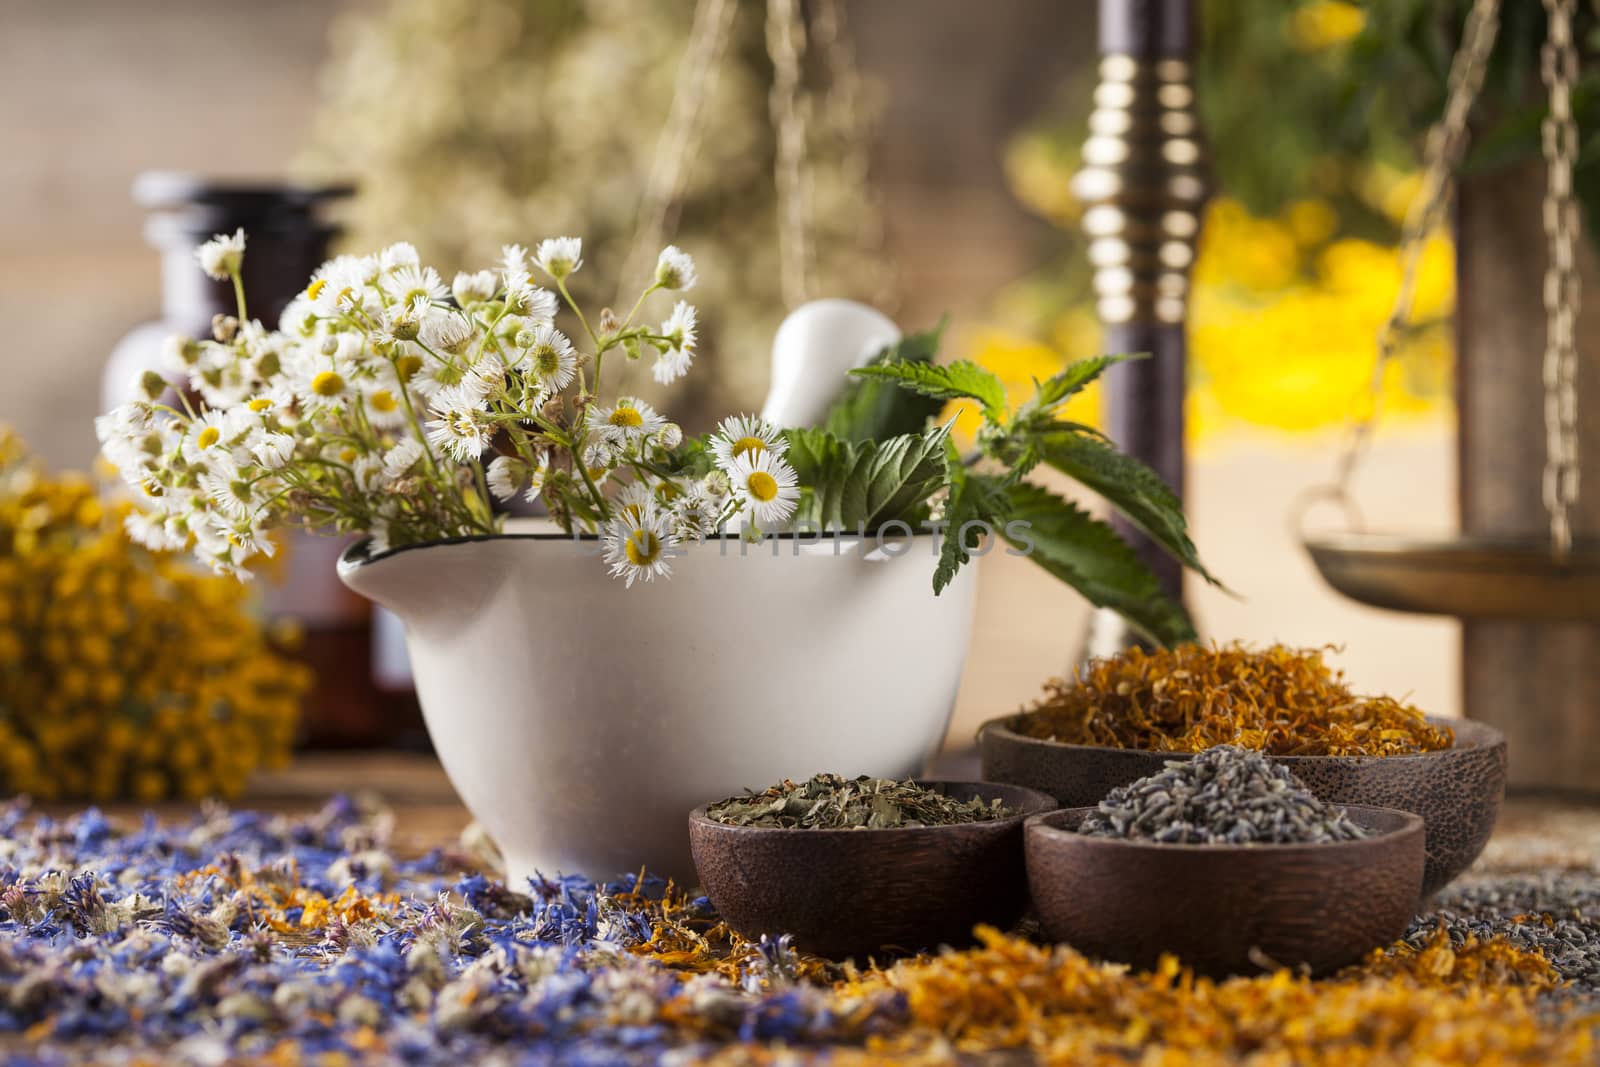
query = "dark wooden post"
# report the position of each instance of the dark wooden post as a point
(1537, 681)
(1144, 186)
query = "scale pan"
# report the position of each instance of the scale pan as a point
(1469, 577)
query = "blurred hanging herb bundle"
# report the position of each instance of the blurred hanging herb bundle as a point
(124, 672)
(469, 124)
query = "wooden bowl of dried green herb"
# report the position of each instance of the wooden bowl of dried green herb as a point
(866, 867)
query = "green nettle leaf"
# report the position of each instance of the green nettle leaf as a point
(974, 498)
(866, 484)
(1088, 555)
(961, 380)
(1127, 485)
(1058, 388)
(869, 410)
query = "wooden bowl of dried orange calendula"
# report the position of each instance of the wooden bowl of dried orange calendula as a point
(1122, 718)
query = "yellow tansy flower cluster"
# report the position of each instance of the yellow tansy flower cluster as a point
(124, 672)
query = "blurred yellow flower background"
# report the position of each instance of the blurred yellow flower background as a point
(124, 672)
(1283, 325)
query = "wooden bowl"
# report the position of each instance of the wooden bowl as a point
(1457, 790)
(857, 892)
(1226, 909)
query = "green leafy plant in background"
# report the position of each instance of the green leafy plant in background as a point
(871, 462)
(1398, 64)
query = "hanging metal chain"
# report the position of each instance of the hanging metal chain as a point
(1441, 154)
(1558, 66)
(786, 44)
(696, 80)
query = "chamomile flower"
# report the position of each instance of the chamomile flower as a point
(384, 405)
(179, 354)
(234, 492)
(460, 432)
(402, 320)
(400, 254)
(505, 476)
(408, 283)
(746, 435)
(678, 331)
(399, 460)
(474, 288)
(538, 478)
(326, 387)
(694, 513)
(532, 302)
(551, 360)
(274, 450)
(675, 269)
(766, 488)
(559, 256)
(149, 528)
(206, 441)
(448, 333)
(222, 256)
(638, 546)
(626, 423)
(635, 499)
(513, 258)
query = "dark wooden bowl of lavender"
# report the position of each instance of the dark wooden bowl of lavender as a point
(1226, 909)
(1457, 791)
(861, 892)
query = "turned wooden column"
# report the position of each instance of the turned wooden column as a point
(1538, 682)
(1143, 185)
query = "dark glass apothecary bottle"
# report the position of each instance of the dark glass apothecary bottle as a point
(288, 237)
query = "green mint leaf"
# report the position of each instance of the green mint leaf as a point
(865, 483)
(1127, 485)
(869, 410)
(1088, 555)
(973, 498)
(1059, 388)
(960, 380)
(890, 479)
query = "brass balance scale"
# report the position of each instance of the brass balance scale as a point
(1554, 579)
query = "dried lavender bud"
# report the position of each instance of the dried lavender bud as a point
(1556, 914)
(831, 802)
(1225, 796)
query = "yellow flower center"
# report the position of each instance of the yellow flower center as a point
(327, 384)
(259, 404)
(642, 548)
(762, 486)
(626, 417)
(208, 437)
(749, 446)
(547, 362)
(314, 290)
(406, 366)
(383, 402)
(347, 455)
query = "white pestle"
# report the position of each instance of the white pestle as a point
(813, 352)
